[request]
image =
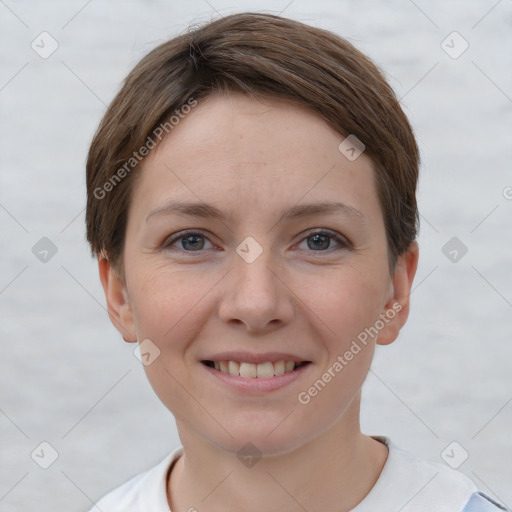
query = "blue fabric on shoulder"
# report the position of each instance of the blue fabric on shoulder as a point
(480, 502)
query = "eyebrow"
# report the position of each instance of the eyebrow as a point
(205, 210)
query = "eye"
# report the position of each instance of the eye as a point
(191, 241)
(319, 241)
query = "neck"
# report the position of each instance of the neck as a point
(335, 471)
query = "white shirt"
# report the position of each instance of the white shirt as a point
(406, 483)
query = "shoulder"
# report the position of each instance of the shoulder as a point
(145, 492)
(437, 478)
(416, 484)
(480, 502)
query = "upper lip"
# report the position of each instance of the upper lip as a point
(249, 357)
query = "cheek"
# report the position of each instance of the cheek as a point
(348, 303)
(164, 302)
(344, 301)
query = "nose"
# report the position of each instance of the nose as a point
(256, 295)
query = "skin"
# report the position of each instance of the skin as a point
(252, 159)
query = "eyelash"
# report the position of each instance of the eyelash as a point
(343, 242)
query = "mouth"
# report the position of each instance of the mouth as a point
(264, 370)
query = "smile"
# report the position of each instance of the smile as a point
(264, 370)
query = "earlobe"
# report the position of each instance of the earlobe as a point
(118, 305)
(397, 308)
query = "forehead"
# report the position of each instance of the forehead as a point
(253, 152)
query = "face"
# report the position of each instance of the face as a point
(252, 275)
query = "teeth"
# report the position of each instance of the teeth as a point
(247, 370)
(250, 371)
(265, 370)
(279, 367)
(233, 367)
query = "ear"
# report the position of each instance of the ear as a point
(396, 309)
(119, 309)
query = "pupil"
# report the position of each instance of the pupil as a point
(187, 240)
(318, 238)
(320, 242)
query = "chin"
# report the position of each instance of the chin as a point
(255, 440)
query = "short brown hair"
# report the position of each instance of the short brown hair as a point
(257, 54)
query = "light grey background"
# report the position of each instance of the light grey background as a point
(67, 377)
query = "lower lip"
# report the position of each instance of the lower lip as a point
(255, 384)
